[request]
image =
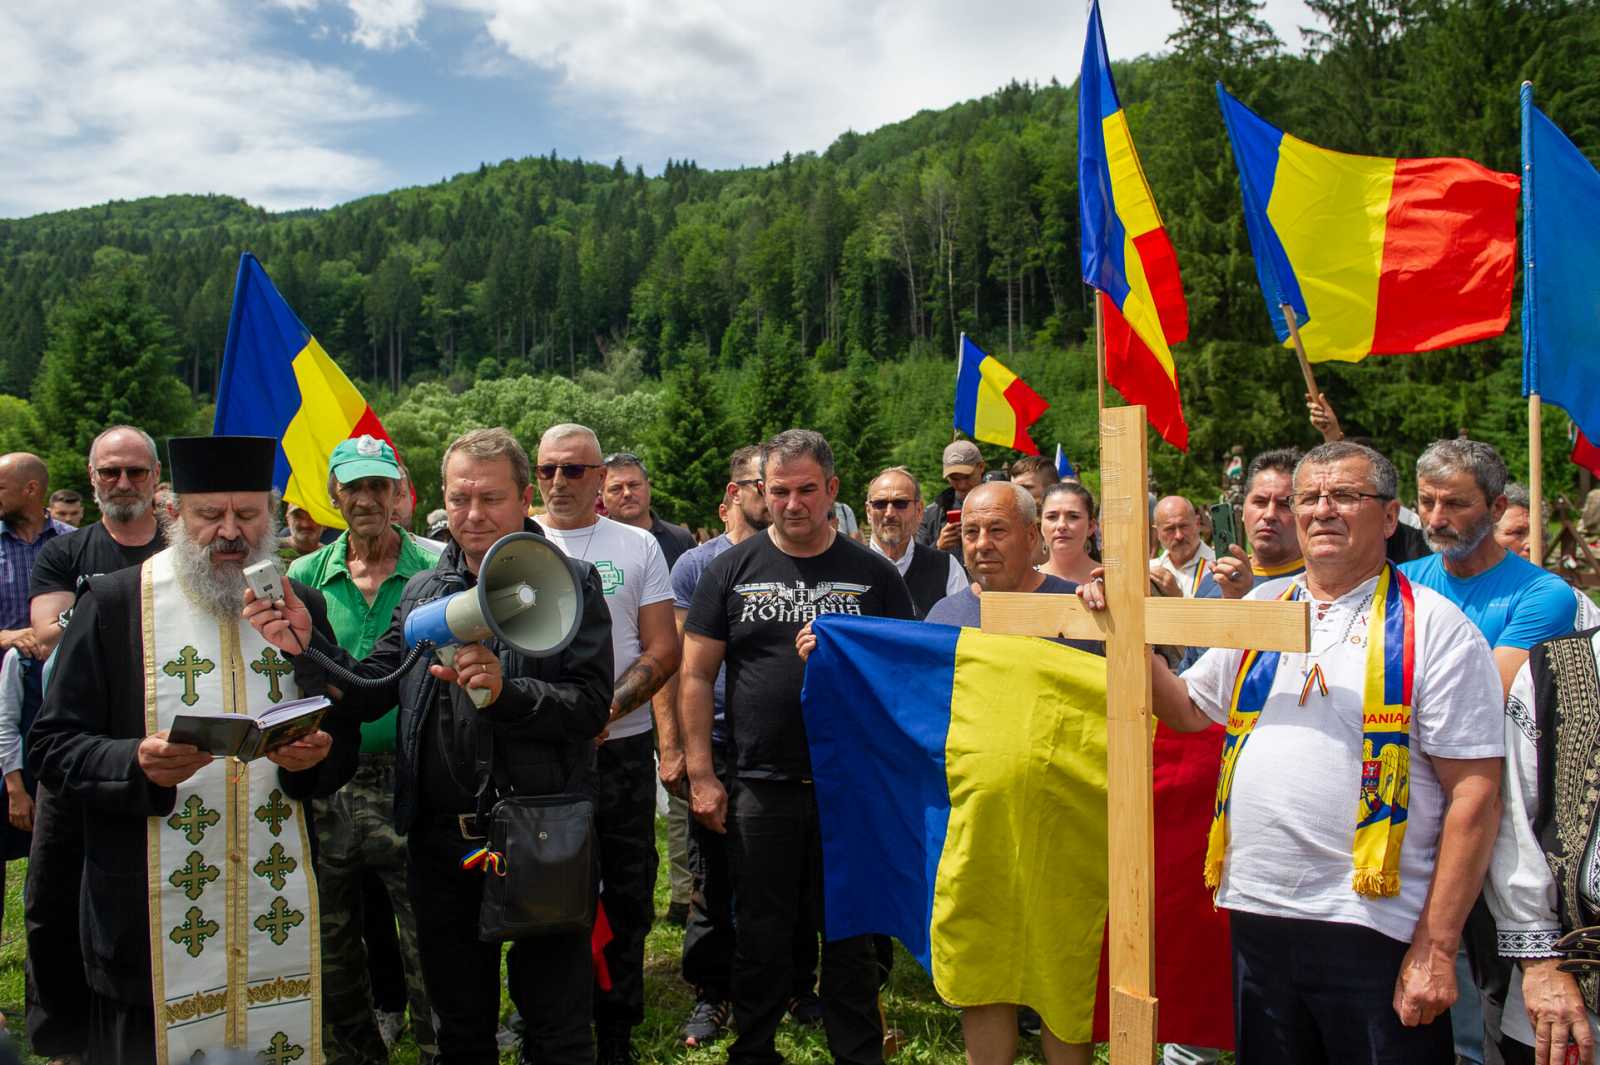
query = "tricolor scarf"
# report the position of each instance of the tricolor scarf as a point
(1385, 737)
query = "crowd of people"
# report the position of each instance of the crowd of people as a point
(1403, 815)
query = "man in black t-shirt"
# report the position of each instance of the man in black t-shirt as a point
(124, 470)
(751, 610)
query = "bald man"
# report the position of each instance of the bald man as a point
(25, 528)
(1185, 564)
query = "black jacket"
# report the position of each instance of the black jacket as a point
(933, 517)
(85, 744)
(542, 726)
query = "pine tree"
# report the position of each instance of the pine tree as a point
(781, 392)
(111, 358)
(852, 420)
(688, 453)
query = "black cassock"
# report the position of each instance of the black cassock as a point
(84, 744)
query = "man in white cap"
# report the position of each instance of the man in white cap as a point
(963, 471)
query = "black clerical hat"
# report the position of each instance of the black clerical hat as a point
(222, 463)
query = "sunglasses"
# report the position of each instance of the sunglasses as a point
(884, 504)
(570, 470)
(113, 474)
(748, 482)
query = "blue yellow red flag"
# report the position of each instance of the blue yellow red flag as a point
(1377, 256)
(1560, 282)
(970, 827)
(1064, 470)
(992, 403)
(277, 381)
(1127, 254)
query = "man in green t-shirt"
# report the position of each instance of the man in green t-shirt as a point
(362, 575)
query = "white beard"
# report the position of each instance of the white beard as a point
(217, 588)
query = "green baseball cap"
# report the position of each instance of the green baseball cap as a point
(363, 456)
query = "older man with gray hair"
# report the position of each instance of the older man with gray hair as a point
(644, 639)
(1460, 497)
(894, 511)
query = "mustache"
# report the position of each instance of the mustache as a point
(223, 545)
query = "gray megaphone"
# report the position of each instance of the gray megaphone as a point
(526, 597)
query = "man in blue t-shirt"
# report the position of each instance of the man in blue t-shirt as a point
(1515, 604)
(1460, 496)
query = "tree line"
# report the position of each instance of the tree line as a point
(828, 287)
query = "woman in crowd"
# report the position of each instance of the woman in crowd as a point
(1066, 518)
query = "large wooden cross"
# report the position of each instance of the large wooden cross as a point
(1131, 621)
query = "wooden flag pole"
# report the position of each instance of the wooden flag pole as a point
(1099, 352)
(1536, 528)
(961, 346)
(1300, 352)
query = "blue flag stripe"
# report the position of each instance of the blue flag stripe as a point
(880, 860)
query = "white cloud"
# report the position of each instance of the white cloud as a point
(125, 100)
(384, 23)
(746, 80)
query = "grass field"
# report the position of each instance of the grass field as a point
(933, 1031)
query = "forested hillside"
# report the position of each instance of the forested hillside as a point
(828, 287)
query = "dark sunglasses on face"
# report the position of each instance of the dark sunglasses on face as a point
(113, 474)
(883, 504)
(570, 470)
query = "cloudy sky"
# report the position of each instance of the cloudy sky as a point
(292, 103)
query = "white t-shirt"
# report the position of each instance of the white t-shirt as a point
(634, 574)
(1292, 814)
(954, 581)
(1192, 574)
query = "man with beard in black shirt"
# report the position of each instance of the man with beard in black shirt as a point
(124, 470)
(752, 609)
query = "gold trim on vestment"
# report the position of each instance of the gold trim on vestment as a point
(238, 913)
(158, 976)
(314, 906)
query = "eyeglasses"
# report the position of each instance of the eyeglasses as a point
(884, 504)
(624, 458)
(748, 482)
(1344, 500)
(113, 474)
(570, 470)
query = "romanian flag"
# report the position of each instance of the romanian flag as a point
(970, 827)
(1376, 256)
(1127, 254)
(277, 381)
(992, 403)
(1561, 285)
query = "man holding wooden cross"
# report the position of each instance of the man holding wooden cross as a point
(1358, 789)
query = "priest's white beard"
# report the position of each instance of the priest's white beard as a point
(214, 587)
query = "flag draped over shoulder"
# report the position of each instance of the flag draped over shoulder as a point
(1376, 256)
(971, 827)
(992, 403)
(277, 381)
(1561, 285)
(1127, 254)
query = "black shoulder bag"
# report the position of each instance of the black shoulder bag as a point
(544, 881)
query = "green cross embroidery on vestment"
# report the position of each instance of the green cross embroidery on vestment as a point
(276, 867)
(272, 667)
(190, 666)
(280, 1051)
(193, 821)
(274, 812)
(194, 875)
(192, 934)
(277, 921)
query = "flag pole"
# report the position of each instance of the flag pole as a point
(1530, 363)
(1300, 352)
(961, 346)
(1099, 352)
(1535, 481)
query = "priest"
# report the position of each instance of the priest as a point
(198, 909)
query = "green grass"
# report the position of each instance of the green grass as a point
(933, 1030)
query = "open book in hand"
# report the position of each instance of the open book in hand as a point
(247, 738)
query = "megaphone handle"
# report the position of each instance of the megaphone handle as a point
(447, 655)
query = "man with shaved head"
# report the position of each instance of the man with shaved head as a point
(25, 528)
(1000, 539)
(644, 640)
(1185, 564)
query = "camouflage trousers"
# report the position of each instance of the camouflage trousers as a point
(355, 833)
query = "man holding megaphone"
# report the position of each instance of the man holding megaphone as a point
(514, 712)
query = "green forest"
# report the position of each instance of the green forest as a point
(687, 312)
